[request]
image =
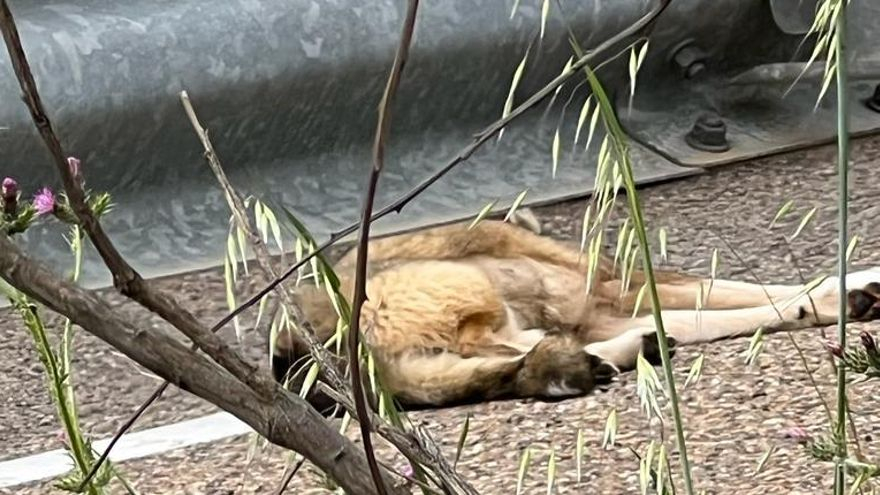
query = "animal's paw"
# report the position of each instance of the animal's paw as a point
(604, 372)
(864, 303)
(863, 297)
(651, 349)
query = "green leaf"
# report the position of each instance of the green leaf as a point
(756, 344)
(275, 226)
(593, 121)
(551, 471)
(545, 9)
(523, 469)
(661, 464)
(585, 227)
(231, 257)
(230, 294)
(582, 117)
(610, 433)
(635, 63)
(713, 265)
(647, 385)
(696, 371)
(462, 438)
(515, 7)
(663, 253)
(762, 462)
(309, 380)
(639, 296)
(851, 247)
(242, 247)
(517, 75)
(804, 221)
(783, 210)
(516, 204)
(579, 453)
(482, 214)
(646, 467)
(555, 152)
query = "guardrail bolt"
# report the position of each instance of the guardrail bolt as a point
(874, 101)
(709, 133)
(689, 59)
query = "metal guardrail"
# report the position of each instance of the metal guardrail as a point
(288, 90)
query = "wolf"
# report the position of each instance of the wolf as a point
(470, 313)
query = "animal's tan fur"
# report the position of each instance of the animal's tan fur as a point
(457, 314)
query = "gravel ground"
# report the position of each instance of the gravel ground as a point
(733, 414)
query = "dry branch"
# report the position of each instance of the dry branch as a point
(282, 417)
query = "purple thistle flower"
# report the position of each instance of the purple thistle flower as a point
(44, 201)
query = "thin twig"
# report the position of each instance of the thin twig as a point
(791, 338)
(360, 282)
(288, 476)
(414, 443)
(129, 423)
(478, 141)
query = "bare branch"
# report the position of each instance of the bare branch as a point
(125, 278)
(282, 417)
(360, 282)
(479, 139)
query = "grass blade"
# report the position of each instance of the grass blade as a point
(696, 371)
(579, 448)
(523, 469)
(462, 438)
(482, 214)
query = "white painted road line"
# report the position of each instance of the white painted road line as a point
(132, 446)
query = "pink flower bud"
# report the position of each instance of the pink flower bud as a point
(9, 196)
(868, 341)
(44, 201)
(797, 434)
(10, 187)
(834, 348)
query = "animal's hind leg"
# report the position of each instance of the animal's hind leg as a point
(488, 238)
(714, 294)
(692, 327)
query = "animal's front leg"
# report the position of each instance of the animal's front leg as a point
(818, 309)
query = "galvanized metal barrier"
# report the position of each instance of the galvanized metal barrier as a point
(289, 88)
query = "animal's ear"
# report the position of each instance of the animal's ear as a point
(603, 371)
(526, 218)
